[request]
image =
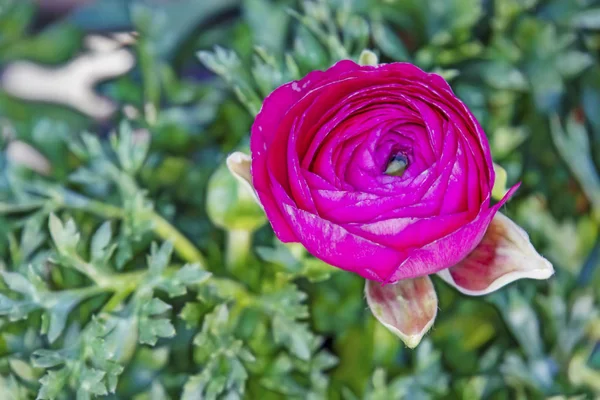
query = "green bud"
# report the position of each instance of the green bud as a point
(499, 189)
(367, 57)
(231, 202)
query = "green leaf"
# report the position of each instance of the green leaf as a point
(187, 276)
(100, 242)
(228, 65)
(280, 255)
(18, 283)
(151, 329)
(130, 152)
(22, 369)
(588, 19)
(155, 307)
(159, 257)
(52, 384)
(191, 314)
(296, 337)
(32, 237)
(59, 315)
(91, 381)
(388, 42)
(573, 63)
(502, 75)
(47, 358)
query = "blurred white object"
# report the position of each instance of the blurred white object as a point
(100, 43)
(20, 153)
(73, 84)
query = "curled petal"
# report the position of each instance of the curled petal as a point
(504, 255)
(238, 164)
(407, 307)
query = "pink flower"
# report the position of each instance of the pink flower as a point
(383, 171)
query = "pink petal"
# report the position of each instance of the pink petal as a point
(504, 255)
(407, 308)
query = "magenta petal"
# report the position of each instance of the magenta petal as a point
(504, 255)
(448, 250)
(335, 245)
(407, 308)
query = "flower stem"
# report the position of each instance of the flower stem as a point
(238, 247)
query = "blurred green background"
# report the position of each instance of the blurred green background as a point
(115, 120)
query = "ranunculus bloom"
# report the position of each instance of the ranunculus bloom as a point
(320, 149)
(383, 171)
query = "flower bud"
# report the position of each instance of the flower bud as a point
(231, 203)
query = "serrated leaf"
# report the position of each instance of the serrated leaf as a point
(156, 306)
(131, 153)
(100, 241)
(192, 274)
(52, 384)
(188, 275)
(90, 381)
(113, 370)
(153, 328)
(194, 387)
(18, 283)
(280, 255)
(191, 314)
(47, 358)
(159, 257)
(163, 328)
(324, 360)
(296, 337)
(32, 237)
(59, 314)
(65, 236)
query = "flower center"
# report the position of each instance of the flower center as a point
(397, 165)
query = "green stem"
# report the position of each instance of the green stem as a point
(162, 228)
(238, 247)
(79, 202)
(123, 284)
(182, 245)
(116, 299)
(100, 279)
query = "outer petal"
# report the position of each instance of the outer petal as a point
(504, 255)
(450, 249)
(407, 308)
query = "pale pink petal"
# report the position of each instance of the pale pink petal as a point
(407, 308)
(238, 164)
(504, 255)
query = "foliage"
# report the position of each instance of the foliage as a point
(123, 277)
